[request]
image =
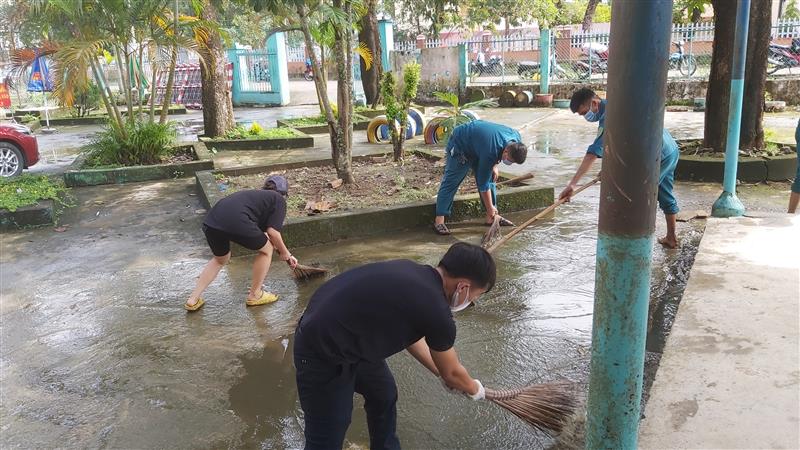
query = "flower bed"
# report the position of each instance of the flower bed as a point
(30, 200)
(775, 163)
(318, 124)
(257, 138)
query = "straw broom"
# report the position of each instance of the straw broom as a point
(494, 232)
(545, 407)
(302, 272)
(514, 180)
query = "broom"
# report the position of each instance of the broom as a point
(493, 232)
(302, 272)
(545, 407)
(514, 180)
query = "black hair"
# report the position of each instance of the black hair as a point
(269, 185)
(472, 262)
(580, 97)
(517, 151)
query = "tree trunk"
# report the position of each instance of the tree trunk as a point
(167, 100)
(369, 35)
(719, 80)
(755, 75)
(342, 135)
(696, 15)
(216, 95)
(588, 16)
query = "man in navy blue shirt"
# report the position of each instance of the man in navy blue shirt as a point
(586, 103)
(365, 315)
(478, 145)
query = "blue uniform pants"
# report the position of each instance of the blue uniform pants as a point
(796, 184)
(326, 396)
(455, 170)
(666, 181)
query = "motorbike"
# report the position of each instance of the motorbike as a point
(308, 74)
(532, 69)
(783, 56)
(686, 64)
(495, 66)
(596, 62)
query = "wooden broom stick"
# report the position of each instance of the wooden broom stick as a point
(527, 176)
(546, 211)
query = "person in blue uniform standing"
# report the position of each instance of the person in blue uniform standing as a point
(358, 319)
(586, 103)
(794, 197)
(478, 145)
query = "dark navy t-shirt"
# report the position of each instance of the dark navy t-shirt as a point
(374, 311)
(250, 212)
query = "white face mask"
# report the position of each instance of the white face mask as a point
(454, 306)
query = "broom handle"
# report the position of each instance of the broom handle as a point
(546, 211)
(527, 176)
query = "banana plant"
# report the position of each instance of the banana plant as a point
(454, 113)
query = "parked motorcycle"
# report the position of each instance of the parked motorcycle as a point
(596, 62)
(308, 74)
(686, 64)
(531, 69)
(495, 66)
(783, 56)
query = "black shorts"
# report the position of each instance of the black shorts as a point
(220, 241)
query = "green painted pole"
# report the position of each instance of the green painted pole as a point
(637, 77)
(544, 61)
(728, 204)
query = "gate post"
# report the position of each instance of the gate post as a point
(278, 68)
(387, 42)
(236, 84)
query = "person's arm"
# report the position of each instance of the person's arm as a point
(484, 171)
(422, 353)
(586, 164)
(454, 374)
(277, 242)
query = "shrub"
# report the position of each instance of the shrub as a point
(28, 190)
(145, 143)
(255, 129)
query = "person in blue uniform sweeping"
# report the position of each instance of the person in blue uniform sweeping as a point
(478, 145)
(586, 103)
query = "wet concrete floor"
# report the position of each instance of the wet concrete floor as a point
(98, 352)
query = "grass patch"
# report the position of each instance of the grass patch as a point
(255, 131)
(28, 190)
(306, 121)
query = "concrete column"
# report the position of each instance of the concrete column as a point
(544, 61)
(278, 68)
(640, 37)
(463, 68)
(236, 85)
(386, 31)
(728, 204)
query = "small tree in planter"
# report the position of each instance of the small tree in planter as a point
(397, 108)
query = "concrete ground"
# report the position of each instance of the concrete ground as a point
(728, 377)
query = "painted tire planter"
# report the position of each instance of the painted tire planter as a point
(378, 131)
(434, 132)
(507, 99)
(562, 103)
(471, 114)
(477, 95)
(524, 98)
(419, 120)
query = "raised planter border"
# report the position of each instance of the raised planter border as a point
(40, 214)
(371, 113)
(359, 123)
(95, 120)
(75, 176)
(303, 141)
(749, 169)
(322, 229)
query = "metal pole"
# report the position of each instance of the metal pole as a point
(640, 37)
(728, 205)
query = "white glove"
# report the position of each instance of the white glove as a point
(481, 394)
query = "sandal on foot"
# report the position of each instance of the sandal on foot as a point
(441, 229)
(191, 308)
(503, 223)
(266, 297)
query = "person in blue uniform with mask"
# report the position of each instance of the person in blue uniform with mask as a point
(586, 103)
(358, 319)
(794, 197)
(478, 145)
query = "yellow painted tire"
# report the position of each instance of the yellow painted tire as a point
(374, 130)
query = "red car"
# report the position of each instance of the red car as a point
(18, 149)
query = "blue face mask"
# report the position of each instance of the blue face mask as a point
(507, 162)
(591, 116)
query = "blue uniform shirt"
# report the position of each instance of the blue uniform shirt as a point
(668, 146)
(482, 143)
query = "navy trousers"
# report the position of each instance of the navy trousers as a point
(326, 396)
